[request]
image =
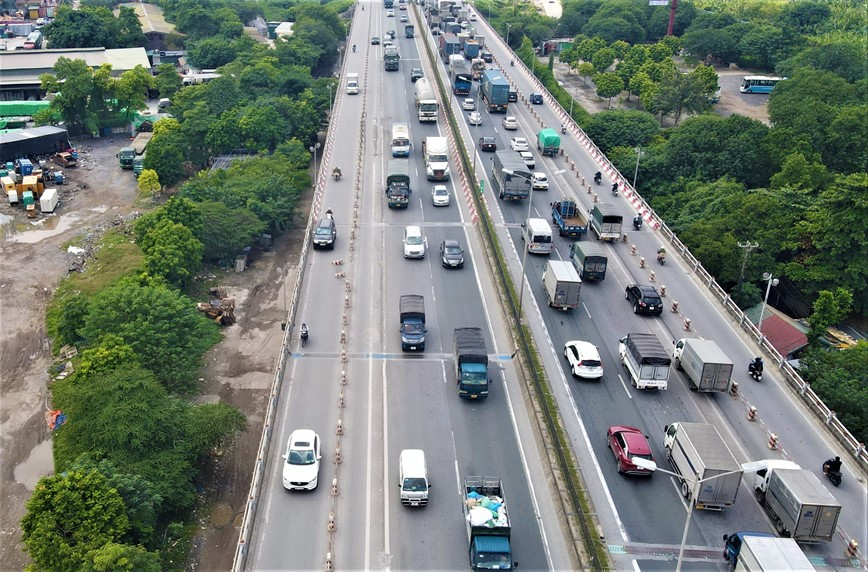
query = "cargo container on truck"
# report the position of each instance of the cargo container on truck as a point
(510, 177)
(548, 142)
(562, 284)
(706, 366)
(590, 261)
(391, 58)
(471, 363)
(352, 83)
(450, 45)
(398, 184)
(698, 453)
(797, 502)
(645, 360)
(459, 74)
(495, 91)
(426, 102)
(488, 525)
(140, 143)
(606, 222)
(412, 309)
(436, 153)
(763, 552)
(569, 218)
(471, 49)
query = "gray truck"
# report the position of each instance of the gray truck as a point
(510, 177)
(645, 360)
(562, 285)
(606, 222)
(590, 261)
(697, 452)
(488, 529)
(707, 368)
(413, 330)
(763, 552)
(471, 363)
(398, 184)
(797, 502)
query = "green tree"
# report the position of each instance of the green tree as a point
(840, 378)
(65, 325)
(178, 210)
(69, 515)
(111, 353)
(586, 70)
(588, 47)
(148, 182)
(798, 173)
(211, 52)
(167, 80)
(130, 90)
(608, 86)
(84, 28)
(602, 59)
(845, 150)
(72, 85)
(829, 309)
(161, 325)
(763, 46)
(227, 230)
(680, 93)
(209, 427)
(166, 157)
(611, 129)
(805, 16)
(114, 557)
(128, 29)
(172, 252)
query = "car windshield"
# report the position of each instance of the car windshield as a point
(493, 560)
(415, 240)
(323, 230)
(414, 485)
(452, 250)
(301, 457)
(441, 192)
(473, 378)
(414, 329)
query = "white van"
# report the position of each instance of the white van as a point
(352, 83)
(413, 477)
(537, 236)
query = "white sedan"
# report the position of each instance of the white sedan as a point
(440, 196)
(584, 359)
(468, 104)
(474, 118)
(519, 144)
(301, 470)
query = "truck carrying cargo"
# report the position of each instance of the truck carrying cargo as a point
(510, 177)
(49, 201)
(471, 363)
(398, 184)
(126, 156)
(797, 502)
(477, 66)
(762, 552)
(471, 49)
(548, 142)
(568, 217)
(412, 308)
(352, 83)
(589, 260)
(495, 91)
(698, 453)
(140, 143)
(488, 525)
(706, 366)
(645, 360)
(436, 153)
(459, 74)
(426, 101)
(449, 45)
(391, 58)
(562, 284)
(606, 223)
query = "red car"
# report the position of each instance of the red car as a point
(488, 143)
(626, 442)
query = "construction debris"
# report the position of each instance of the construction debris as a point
(221, 308)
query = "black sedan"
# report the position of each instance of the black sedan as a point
(451, 254)
(488, 143)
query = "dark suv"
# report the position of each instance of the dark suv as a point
(415, 73)
(645, 299)
(325, 234)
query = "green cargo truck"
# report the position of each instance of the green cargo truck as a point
(398, 184)
(138, 166)
(126, 156)
(548, 142)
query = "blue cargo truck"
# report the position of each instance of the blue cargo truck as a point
(471, 363)
(488, 524)
(495, 91)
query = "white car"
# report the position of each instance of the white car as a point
(518, 144)
(301, 469)
(509, 123)
(468, 104)
(415, 243)
(473, 17)
(390, 13)
(474, 118)
(528, 159)
(403, 17)
(584, 359)
(440, 196)
(540, 182)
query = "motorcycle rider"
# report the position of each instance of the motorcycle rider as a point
(637, 222)
(563, 127)
(661, 254)
(598, 176)
(512, 62)
(305, 332)
(756, 366)
(354, 47)
(614, 188)
(832, 466)
(336, 172)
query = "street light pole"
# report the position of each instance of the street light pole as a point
(771, 282)
(749, 467)
(313, 149)
(508, 26)
(524, 256)
(636, 171)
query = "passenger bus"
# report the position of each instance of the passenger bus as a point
(400, 140)
(759, 83)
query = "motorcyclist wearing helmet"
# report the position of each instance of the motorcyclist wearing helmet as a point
(756, 365)
(832, 466)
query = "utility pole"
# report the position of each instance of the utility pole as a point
(747, 247)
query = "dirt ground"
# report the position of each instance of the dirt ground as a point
(98, 195)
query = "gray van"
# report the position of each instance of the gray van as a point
(325, 233)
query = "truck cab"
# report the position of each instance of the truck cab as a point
(126, 156)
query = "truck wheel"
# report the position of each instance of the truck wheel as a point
(685, 490)
(678, 365)
(635, 308)
(618, 466)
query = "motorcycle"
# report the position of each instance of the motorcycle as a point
(615, 189)
(336, 174)
(512, 62)
(563, 129)
(354, 48)
(637, 223)
(598, 178)
(304, 335)
(833, 476)
(661, 258)
(755, 372)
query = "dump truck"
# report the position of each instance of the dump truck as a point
(797, 502)
(391, 58)
(589, 260)
(436, 153)
(477, 66)
(426, 102)
(548, 142)
(398, 184)
(140, 143)
(488, 526)
(706, 366)
(763, 552)
(510, 177)
(471, 363)
(562, 284)
(698, 453)
(49, 201)
(606, 223)
(495, 91)
(567, 215)
(126, 156)
(646, 361)
(459, 75)
(412, 309)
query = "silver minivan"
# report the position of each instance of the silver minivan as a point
(413, 477)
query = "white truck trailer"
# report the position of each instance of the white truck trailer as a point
(762, 552)
(707, 368)
(562, 284)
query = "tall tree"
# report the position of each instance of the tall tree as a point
(680, 93)
(72, 84)
(167, 80)
(84, 28)
(172, 252)
(608, 86)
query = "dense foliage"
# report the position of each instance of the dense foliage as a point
(94, 27)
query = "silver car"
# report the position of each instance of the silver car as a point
(415, 243)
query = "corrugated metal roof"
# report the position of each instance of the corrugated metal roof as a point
(150, 17)
(23, 67)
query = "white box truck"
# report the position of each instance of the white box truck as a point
(436, 152)
(645, 360)
(413, 477)
(707, 367)
(352, 83)
(763, 552)
(49, 201)
(697, 452)
(562, 284)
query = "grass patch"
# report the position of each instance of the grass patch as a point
(116, 257)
